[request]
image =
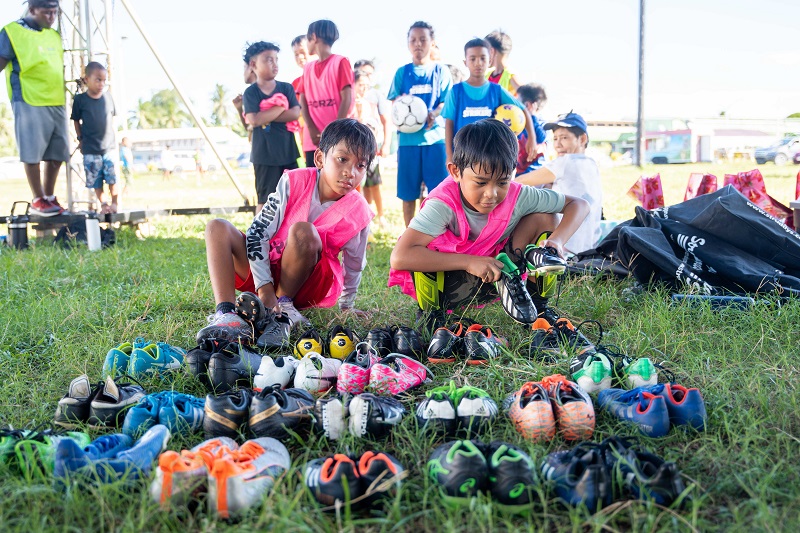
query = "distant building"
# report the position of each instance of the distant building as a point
(693, 140)
(147, 144)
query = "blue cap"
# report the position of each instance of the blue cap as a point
(567, 120)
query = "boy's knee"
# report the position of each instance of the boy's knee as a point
(217, 227)
(304, 237)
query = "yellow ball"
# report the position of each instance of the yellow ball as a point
(511, 116)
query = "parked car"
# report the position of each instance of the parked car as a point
(781, 152)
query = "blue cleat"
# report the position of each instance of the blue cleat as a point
(154, 358)
(117, 360)
(639, 406)
(182, 413)
(685, 406)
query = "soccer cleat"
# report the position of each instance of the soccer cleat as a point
(333, 479)
(275, 330)
(572, 408)
(74, 408)
(579, 476)
(226, 327)
(407, 341)
(275, 372)
(353, 376)
(144, 414)
(481, 345)
(154, 358)
(329, 416)
(591, 371)
(531, 411)
(103, 464)
(647, 476)
(516, 301)
(342, 342)
(380, 475)
(107, 408)
(226, 413)
(635, 372)
(544, 346)
(460, 470)
(286, 305)
(316, 374)
(374, 416)
(250, 307)
(276, 413)
(181, 478)
(475, 410)
(197, 359)
(233, 366)
(396, 373)
(242, 478)
(571, 338)
(181, 413)
(309, 341)
(511, 479)
(437, 411)
(685, 406)
(382, 340)
(639, 406)
(117, 360)
(33, 451)
(447, 344)
(544, 260)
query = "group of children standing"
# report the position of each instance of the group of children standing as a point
(484, 196)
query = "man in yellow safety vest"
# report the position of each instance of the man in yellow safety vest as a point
(33, 52)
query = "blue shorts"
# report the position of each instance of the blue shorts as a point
(416, 164)
(99, 168)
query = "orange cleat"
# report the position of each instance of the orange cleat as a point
(531, 411)
(572, 407)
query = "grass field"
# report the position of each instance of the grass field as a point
(60, 312)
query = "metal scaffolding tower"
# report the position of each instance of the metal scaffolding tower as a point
(87, 31)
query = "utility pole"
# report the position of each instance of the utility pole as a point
(639, 151)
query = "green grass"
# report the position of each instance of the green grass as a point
(60, 311)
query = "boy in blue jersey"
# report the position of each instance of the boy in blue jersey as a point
(421, 156)
(477, 98)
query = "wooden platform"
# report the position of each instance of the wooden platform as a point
(132, 217)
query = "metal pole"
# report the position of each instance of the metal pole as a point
(640, 152)
(186, 102)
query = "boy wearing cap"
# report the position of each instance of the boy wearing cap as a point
(574, 174)
(34, 55)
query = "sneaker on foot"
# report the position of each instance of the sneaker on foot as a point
(226, 326)
(45, 208)
(287, 307)
(516, 301)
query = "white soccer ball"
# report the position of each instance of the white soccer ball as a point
(409, 113)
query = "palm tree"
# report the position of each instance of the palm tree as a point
(163, 110)
(220, 109)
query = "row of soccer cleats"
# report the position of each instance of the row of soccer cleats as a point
(591, 474)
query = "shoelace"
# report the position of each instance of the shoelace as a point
(556, 380)
(447, 390)
(643, 395)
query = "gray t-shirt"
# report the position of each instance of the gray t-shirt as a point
(266, 223)
(435, 217)
(97, 122)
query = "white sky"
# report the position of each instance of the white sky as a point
(702, 56)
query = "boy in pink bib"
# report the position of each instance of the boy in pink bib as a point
(289, 256)
(448, 256)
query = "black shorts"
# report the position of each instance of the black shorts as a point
(267, 177)
(310, 159)
(459, 288)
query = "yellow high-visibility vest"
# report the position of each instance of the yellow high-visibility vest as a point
(40, 55)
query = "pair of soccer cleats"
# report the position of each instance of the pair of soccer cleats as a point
(358, 482)
(180, 413)
(656, 408)
(396, 339)
(252, 323)
(595, 474)
(222, 366)
(464, 468)
(553, 405)
(474, 344)
(536, 261)
(232, 478)
(101, 405)
(143, 358)
(110, 458)
(456, 411)
(271, 412)
(337, 344)
(392, 374)
(362, 415)
(32, 452)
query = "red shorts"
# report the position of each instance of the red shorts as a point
(314, 290)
